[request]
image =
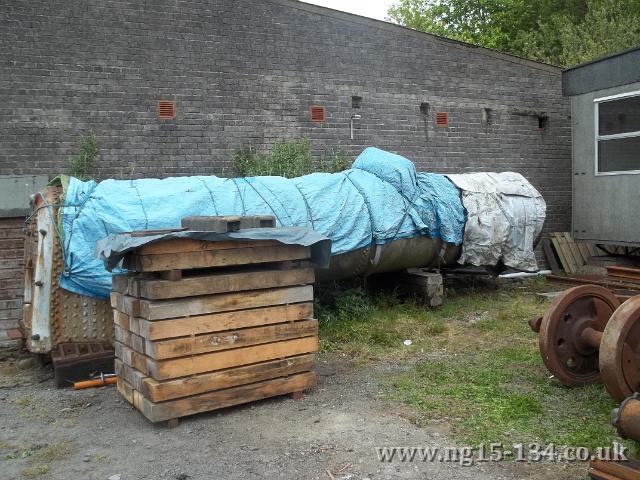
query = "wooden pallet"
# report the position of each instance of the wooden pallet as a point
(213, 338)
(571, 255)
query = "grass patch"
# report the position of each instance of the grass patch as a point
(474, 362)
(25, 401)
(38, 457)
(10, 451)
(99, 458)
(35, 471)
(504, 395)
(54, 451)
(366, 326)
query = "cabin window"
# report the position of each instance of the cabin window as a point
(617, 130)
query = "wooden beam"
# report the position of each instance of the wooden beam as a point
(216, 258)
(213, 342)
(180, 245)
(125, 304)
(209, 362)
(121, 319)
(217, 322)
(130, 339)
(125, 389)
(157, 412)
(183, 387)
(130, 375)
(131, 357)
(220, 283)
(222, 302)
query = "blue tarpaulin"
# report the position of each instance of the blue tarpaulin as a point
(380, 199)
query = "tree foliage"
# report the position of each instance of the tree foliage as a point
(561, 32)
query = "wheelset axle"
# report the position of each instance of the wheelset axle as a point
(587, 336)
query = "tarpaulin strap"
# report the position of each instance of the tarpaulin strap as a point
(268, 204)
(306, 205)
(213, 202)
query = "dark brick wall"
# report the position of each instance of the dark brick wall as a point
(245, 72)
(11, 275)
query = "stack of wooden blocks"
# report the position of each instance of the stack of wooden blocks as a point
(203, 325)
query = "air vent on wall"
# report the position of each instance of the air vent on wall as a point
(166, 109)
(442, 119)
(318, 114)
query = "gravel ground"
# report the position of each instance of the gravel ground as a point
(332, 433)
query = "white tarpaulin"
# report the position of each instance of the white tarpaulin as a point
(505, 215)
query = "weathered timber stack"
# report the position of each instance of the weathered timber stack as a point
(205, 325)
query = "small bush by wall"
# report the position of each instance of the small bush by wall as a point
(81, 164)
(287, 158)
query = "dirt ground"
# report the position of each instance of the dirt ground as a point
(332, 433)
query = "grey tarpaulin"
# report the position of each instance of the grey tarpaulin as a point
(505, 215)
(112, 248)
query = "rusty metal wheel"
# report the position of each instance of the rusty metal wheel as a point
(620, 351)
(570, 333)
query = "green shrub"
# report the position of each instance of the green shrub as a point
(291, 158)
(353, 305)
(336, 161)
(81, 164)
(343, 301)
(287, 158)
(247, 162)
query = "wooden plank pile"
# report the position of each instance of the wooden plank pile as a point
(564, 253)
(579, 263)
(205, 325)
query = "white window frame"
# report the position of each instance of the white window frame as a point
(615, 136)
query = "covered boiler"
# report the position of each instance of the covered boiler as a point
(381, 215)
